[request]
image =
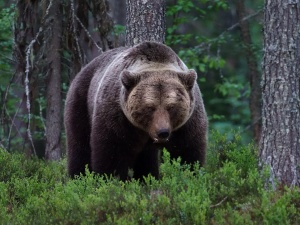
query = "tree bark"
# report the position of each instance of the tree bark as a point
(53, 93)
(145, 21)
(280, 142)
(254, 75)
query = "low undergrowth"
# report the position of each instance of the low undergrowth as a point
(228, 190)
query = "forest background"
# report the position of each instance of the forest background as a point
(205, 34)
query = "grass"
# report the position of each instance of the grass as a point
(229, 190)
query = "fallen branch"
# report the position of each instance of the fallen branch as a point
(216, 205)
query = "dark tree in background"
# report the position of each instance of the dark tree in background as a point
(87, 31)
(280, 143)
(53, 41)
(145, 21)
(53, 31)
(23, 34)
(253, 73)
(118, 12)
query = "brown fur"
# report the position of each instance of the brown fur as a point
(127, 104)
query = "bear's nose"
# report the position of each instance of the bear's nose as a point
(163, 133)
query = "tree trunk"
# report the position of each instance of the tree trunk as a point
(88, 36)
(280, 142)
(53, 94)
(24, 30)
(254, 75)
(145, 21)
(118, 13)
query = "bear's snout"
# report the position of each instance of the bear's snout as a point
(163, 133)
(160, 135)
(160, 130)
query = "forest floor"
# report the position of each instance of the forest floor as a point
(230, 189)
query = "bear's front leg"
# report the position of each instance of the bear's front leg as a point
(115, 143)
(111, 156)
(189, 143)
(147, 162)
(112, 149)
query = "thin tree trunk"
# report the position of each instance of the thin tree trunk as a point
(145, 21)
(53, 94)
(24, 29)
(83, 42)
(280, 142)
(254, 75)
(118, 12)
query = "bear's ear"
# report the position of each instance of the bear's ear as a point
(188, 79)
(129, 80)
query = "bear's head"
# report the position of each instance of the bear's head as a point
(158, 102)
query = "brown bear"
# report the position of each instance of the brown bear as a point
(129, 103)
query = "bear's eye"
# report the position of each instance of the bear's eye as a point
(171, 108)
(150, 109)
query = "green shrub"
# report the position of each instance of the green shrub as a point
(228, 190)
